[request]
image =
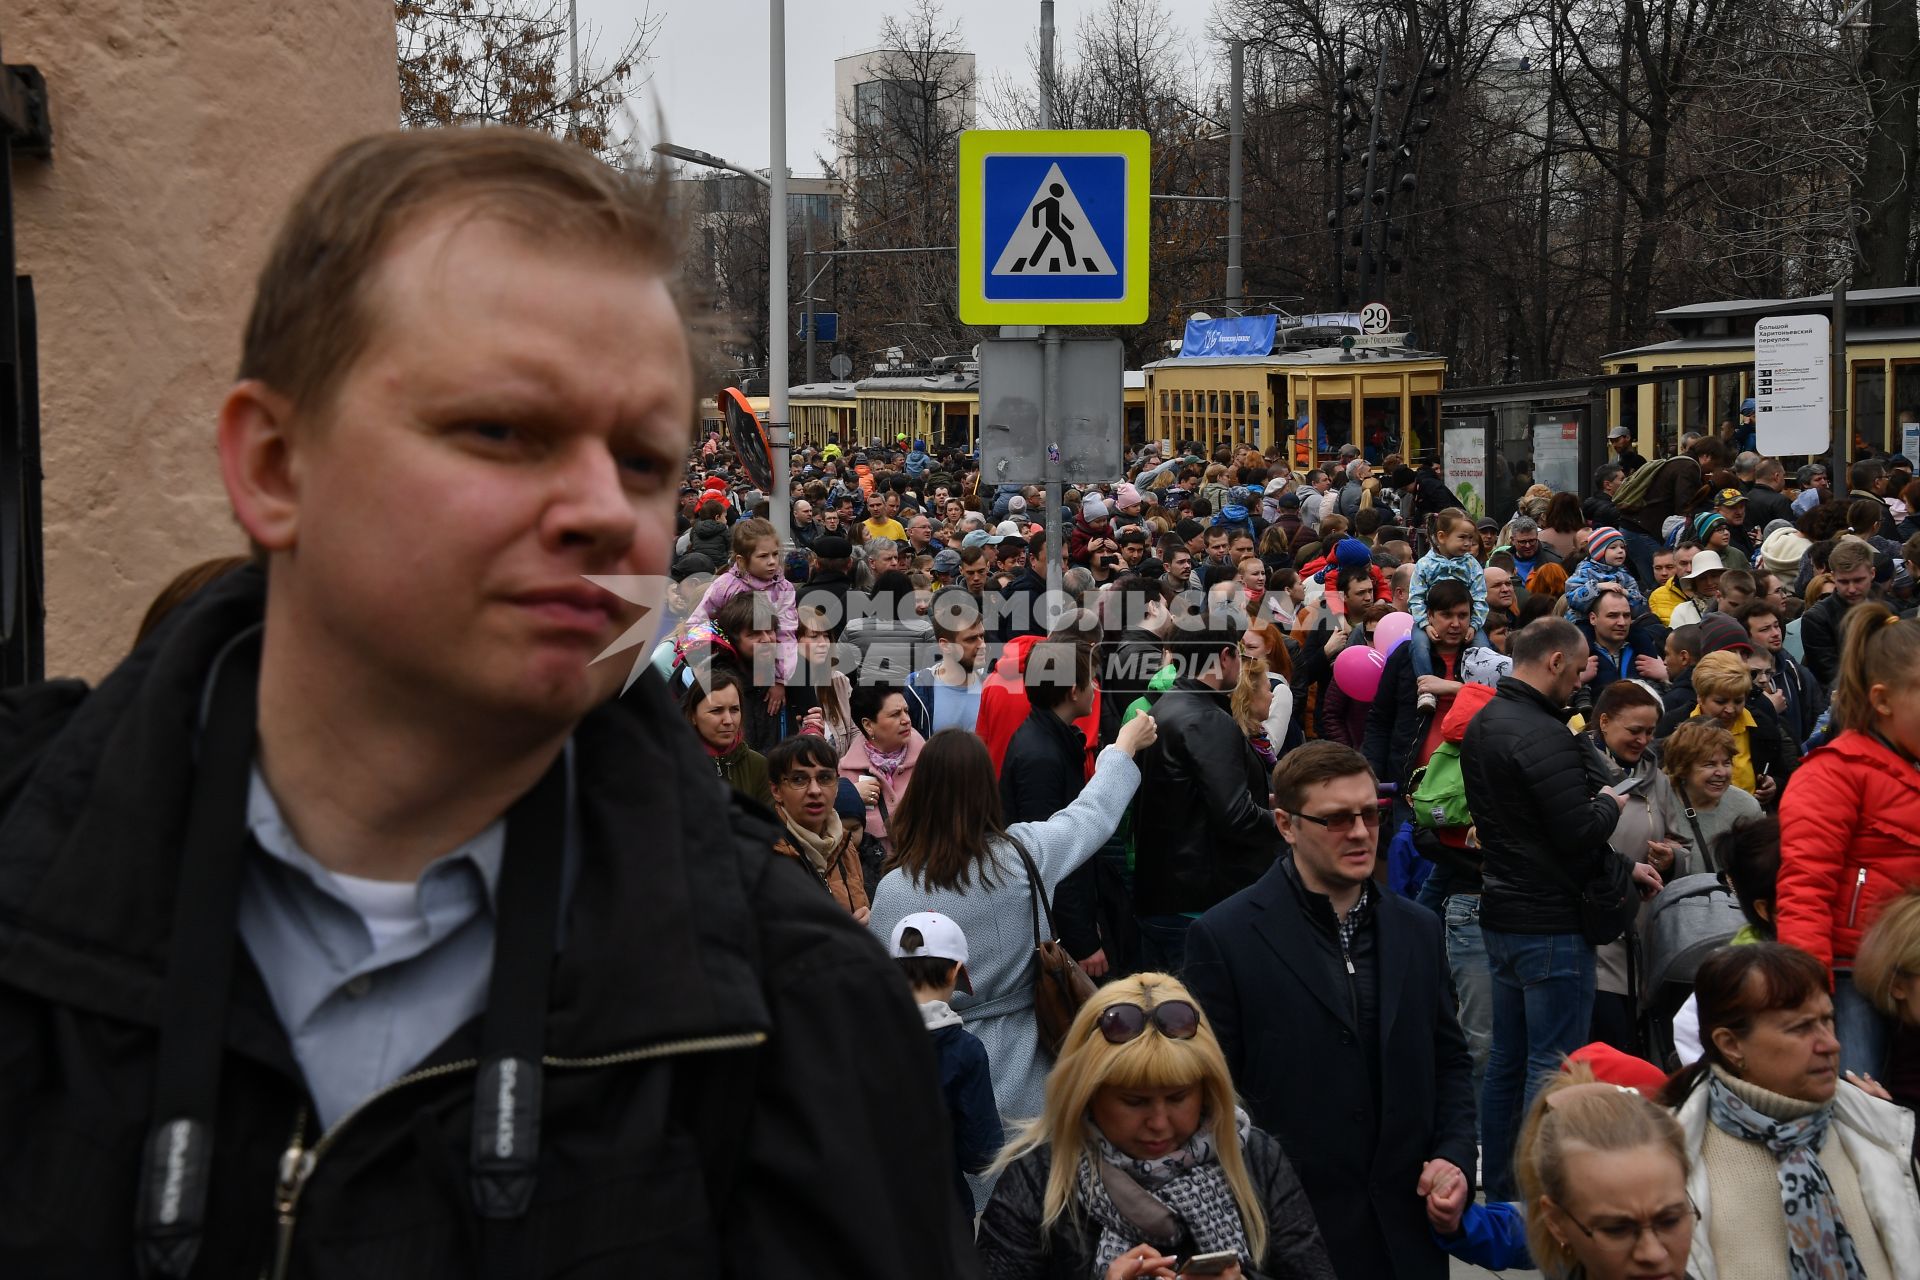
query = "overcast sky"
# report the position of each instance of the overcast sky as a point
(710, 61)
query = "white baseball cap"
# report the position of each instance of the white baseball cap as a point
(940, 939)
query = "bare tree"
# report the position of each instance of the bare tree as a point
(898, 146)
(505, 62)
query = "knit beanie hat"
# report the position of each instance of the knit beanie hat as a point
(1704, 525)
(1783, 551)
(1092, 508)
(1348, 553)
(1718, 632)
(1602, 538)
(1126, 495)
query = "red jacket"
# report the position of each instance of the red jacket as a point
(1382, 585)
(1849, 844)
(1004, 705)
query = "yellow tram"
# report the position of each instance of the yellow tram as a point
(940, 405)
(823, 413)
(1883, 368)
(1376, 394)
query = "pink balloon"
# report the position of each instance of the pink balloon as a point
(1357, 671)
(1391, 632)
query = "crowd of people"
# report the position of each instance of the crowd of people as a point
(1367, 700)
(1274, 898)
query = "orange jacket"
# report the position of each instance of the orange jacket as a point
(1849, 844)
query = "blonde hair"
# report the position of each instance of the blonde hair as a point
(749, 534)
(1891, 950)
(1721, 675)
(1876, 648)
(1253, 680)
(1573, 1113)
(315, 303)
(1088, 1064)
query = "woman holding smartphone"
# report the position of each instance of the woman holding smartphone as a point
(1141, 1163)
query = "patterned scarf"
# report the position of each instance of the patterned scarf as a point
(1262, 743)
(1161, 1202)
(1819, 1246)
(886, 763)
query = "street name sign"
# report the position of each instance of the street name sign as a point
(1792, 384)
(1053, 226)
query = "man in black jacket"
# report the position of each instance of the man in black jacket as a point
(1542, 833)
(353, 926)
(1765, 501)
(1044, 771)
(1430, 494)
(827, 586)
(1201, 825)
(1851, 562)
(1331, 1002)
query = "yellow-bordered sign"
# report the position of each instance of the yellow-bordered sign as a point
(1053, 226)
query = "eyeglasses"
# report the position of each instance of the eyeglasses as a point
(1174, 1019)
(1620, 1237)
(823, 778)
(1368, 818)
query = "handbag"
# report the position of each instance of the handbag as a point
(1060, 987)
(1608, 902)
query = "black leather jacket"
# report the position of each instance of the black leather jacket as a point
(1528, 788)
(1202, 829)
(1012, 1246)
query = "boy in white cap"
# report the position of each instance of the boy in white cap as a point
(931, 950)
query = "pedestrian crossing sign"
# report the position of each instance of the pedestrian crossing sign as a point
(1053, 226)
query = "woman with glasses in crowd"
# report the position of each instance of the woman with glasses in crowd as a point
(804, 772)
(1142, 1159)
(1602, 1173)
(1795, 1172)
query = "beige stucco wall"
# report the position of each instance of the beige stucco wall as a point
(181, 129)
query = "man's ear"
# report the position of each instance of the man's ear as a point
(257, 463)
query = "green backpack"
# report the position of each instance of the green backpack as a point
(1439, 795)
(1632, 495)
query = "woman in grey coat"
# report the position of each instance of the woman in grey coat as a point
(952, 854)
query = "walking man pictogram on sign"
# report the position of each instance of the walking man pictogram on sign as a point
(1057, 227)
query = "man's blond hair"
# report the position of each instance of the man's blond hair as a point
(311, 317)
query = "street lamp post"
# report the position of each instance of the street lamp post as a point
(1235, 176)
(779, 430)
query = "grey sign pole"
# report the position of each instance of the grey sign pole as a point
(1050, 351)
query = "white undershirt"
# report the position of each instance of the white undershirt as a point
(389, 908)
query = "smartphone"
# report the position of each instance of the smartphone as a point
(1207, 1264)
(1628, 786)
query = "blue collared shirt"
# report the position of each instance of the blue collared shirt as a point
(360, 1013)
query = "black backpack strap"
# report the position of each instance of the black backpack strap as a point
(505, 1152)
(178, 1159)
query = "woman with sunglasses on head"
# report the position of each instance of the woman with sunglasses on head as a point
(1142, 1159)
(1795, 1171)
(1602, 1173)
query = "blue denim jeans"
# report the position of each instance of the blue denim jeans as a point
(1163, 943)
(1472, 981)
(1543, 985)
(1861, 1029)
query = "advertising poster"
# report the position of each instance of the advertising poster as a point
(1463, 463)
